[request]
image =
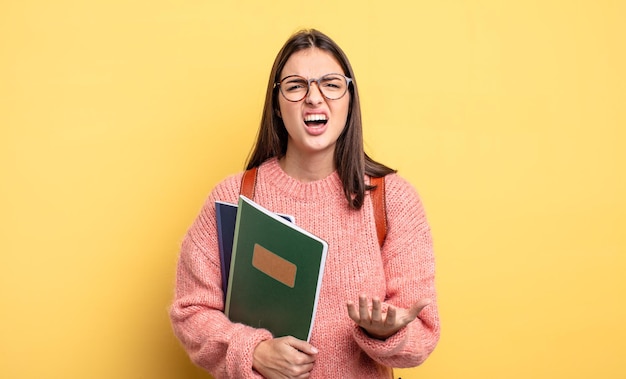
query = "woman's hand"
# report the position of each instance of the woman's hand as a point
(383, 324)
(284, 357)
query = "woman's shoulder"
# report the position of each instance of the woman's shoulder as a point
(397, 185)
(401, 194)
(403, 201)
(227, 189)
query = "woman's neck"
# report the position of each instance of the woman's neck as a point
(307, 169)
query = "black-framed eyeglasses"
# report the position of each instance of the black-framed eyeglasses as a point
(332, 86)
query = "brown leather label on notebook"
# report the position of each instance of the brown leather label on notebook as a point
(274, 266)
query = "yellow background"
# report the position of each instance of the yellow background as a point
(118, 117)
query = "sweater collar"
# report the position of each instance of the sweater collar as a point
(276, 177)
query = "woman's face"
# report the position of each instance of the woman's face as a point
(313, 123)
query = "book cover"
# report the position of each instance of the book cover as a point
(275, 274)
(226, 216)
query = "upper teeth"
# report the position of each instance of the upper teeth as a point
(315, 117)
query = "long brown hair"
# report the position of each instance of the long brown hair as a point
(350, 158)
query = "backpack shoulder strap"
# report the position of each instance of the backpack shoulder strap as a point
(248, 183)
(380, 212)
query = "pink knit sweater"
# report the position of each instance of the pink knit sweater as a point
(401, 273)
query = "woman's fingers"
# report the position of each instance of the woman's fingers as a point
(383, 323)
(390, 321)
(376, 311)
(364, 312)
(353, 312)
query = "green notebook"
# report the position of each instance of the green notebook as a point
(275, 274)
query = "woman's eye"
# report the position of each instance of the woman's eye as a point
(332, 83)
(295, 86)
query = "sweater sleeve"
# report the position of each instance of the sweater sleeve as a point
(410, 276)
(223, 348)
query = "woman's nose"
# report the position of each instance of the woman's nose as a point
(315, 95)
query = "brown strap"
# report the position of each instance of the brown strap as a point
(248, 182)
(380, 213)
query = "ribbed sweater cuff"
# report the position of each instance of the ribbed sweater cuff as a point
(376, 348)
(239, 360)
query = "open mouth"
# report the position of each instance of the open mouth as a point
(315, 120)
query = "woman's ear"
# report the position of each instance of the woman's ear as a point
(277, 111)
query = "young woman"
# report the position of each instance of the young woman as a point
(377, 307)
